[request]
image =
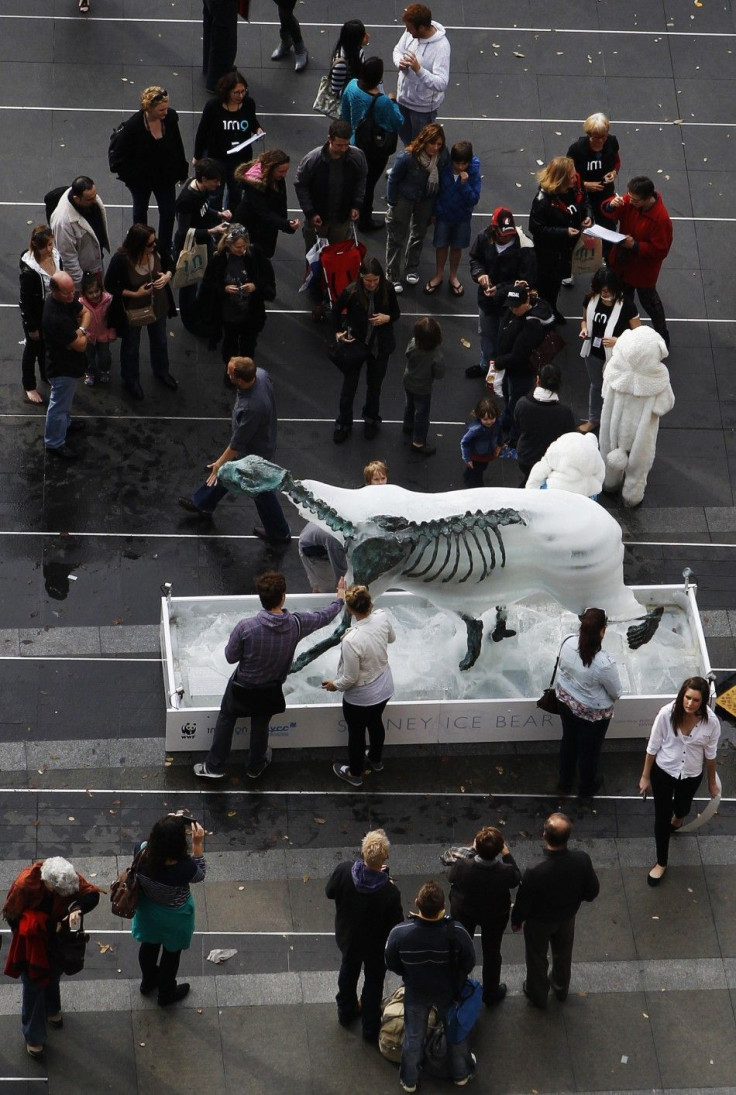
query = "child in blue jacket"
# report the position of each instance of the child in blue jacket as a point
(459, 192)
(482, 441)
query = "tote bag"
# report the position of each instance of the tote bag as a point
(192, 261)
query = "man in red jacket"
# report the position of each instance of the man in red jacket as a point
(637, 260)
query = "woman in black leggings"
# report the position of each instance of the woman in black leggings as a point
(291, 36)
(682, 743)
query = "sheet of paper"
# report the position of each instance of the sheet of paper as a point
(244, 144)
(602, 233)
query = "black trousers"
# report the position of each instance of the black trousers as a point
(375, 371)
(371, 962)
(289, 23)
(161, 973)
(219, 38)
(360, 719)
(539, 937)
(671, 797)
(222, 739)
(376, 167)
(652, 304)
(580, 748)
(491, 934)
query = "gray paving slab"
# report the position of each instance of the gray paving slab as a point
(175, 1048)
(140, 639)
(702, 1047)
(265, 1050)
(626, 1056)
(252, 906)
(673, 920)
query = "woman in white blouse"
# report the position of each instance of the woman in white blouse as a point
(364, 678)
(683, 741)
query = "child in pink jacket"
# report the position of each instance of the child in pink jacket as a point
(99, 336)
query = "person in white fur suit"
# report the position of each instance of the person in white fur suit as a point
(571, 463)
(636, 393)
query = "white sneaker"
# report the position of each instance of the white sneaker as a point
(398, 287)
(412, 279)
(568, 282)
(408, 1087)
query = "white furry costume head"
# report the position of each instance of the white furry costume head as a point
(571, 463)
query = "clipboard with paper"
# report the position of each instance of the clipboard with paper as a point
(244, 144)
(597, 231)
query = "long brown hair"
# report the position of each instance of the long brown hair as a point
(592, 623)
(696, 684)
(40, 237)
(373, 267)
(424, 137)
(268, 161)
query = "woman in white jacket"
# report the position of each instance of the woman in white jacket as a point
(587, 685)
(364, 678)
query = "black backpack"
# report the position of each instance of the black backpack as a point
(52, 199)
(371, 137)
(114, 158)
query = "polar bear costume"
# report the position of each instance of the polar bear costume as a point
(571, 463)
(636, 393)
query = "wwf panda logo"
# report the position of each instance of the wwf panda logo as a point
(188, 729)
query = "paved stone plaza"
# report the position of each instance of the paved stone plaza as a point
(86, 548)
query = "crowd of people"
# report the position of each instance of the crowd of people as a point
(78, 297)
(217, 236)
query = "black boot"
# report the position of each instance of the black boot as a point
(283, 49)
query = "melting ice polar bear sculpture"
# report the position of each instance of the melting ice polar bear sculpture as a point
(465, 550)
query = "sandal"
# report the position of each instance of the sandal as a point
(456, 290)
(83, 6)
(429, 288)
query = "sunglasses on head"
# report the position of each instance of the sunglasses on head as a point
(160, 96)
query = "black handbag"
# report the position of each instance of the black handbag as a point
(257, 699)
(67, 948)
(348, 356)
(548, 700)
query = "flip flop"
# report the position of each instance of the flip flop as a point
(429, 288)
(456, 290)
(83, 6)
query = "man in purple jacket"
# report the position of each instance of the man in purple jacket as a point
(263, 647)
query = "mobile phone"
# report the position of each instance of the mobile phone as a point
(75, 920)
(189, 820)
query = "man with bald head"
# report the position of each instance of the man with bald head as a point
(546, 905)
(65, 325)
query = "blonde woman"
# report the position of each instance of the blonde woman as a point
(149, 158)
(559, 211)
(597, 162)
(364, 678)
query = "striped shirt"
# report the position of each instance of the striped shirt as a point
(171, 887)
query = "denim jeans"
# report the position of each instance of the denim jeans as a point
(267, 504)
(416, 1016)
(130, 351)
(488, 328)
(58, 414)
(416, 415)
(38, 1002)
(414, 122)
(165, 198)
(223, 736)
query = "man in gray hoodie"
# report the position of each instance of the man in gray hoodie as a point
(422, 56)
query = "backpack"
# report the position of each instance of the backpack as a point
(114, 158)
(371, 137)
(391, 1034)
(52, 199)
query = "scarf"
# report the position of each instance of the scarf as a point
(429, 163)
(544, 395)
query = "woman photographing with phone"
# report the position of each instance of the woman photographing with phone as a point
(164, 917)
(683, 743)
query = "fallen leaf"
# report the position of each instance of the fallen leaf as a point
(105, 947)
(200, 1011)
(70, 818)
(499, 769)
(305, 878)
(516, 54)
(318, 820)
(231, 813)
(464, 342)
(241, 887)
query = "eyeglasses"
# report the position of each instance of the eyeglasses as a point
(160, 96)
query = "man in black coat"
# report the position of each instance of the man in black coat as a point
(480, 894)
(367, 906)
(499, 259)
(546, 906)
